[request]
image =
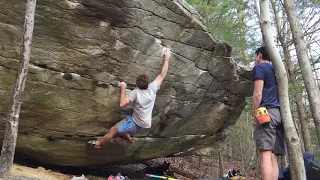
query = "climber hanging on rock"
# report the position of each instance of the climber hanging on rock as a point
(143, 98)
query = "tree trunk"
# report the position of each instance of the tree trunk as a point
(292, 139)
(284, 163)
(316, 71)
(254, 158)
(257, 171)
(298, 97)
(257, 6)
(298, 100)
(242, 31)
(241, 149)
(306, 70)
(11, 131)
(304, 126)
(200, 162)
(298, 129)
(229, 149)
(298, 94)
(221, 166)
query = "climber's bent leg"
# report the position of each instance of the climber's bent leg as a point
(111, 133)
(127, 128)
(124, 127)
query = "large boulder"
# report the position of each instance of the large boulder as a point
(82, 48)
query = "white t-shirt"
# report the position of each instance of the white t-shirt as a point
(143, 102)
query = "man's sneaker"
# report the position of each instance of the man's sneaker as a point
(93, 143)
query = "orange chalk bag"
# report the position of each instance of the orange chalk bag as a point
(262, 116)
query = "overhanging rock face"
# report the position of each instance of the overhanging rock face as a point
(82, 48)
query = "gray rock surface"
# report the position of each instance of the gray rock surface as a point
(82, 48)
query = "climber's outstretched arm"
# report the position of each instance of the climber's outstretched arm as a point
(124, 100)
(165, 67)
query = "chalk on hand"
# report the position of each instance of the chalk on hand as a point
(164, 50)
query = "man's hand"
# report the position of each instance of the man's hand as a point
(167, 54)
(165, 67)
(123, 85)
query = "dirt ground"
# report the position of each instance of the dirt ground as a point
(40, 173)
(205, 167)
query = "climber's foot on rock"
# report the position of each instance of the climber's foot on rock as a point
(94, 143)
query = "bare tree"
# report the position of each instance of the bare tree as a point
(241, 149)
(221, 166)
(289, 67)
(11, 131)
(293, 142)
(256, 5)
(306, 70)
(242, 30)
(284, 163)
(257, 170)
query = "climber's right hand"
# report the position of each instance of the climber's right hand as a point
(123, 85)
(167, 54)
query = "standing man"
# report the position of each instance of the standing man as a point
(269, 136)
(143, 99)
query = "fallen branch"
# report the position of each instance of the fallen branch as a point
(183, 173)
(172, 169)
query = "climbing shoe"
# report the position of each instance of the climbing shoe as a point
(93, 143)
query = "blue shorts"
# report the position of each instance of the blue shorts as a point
(128, 127)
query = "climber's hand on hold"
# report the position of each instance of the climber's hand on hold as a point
(167, 54)
(123, 85)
